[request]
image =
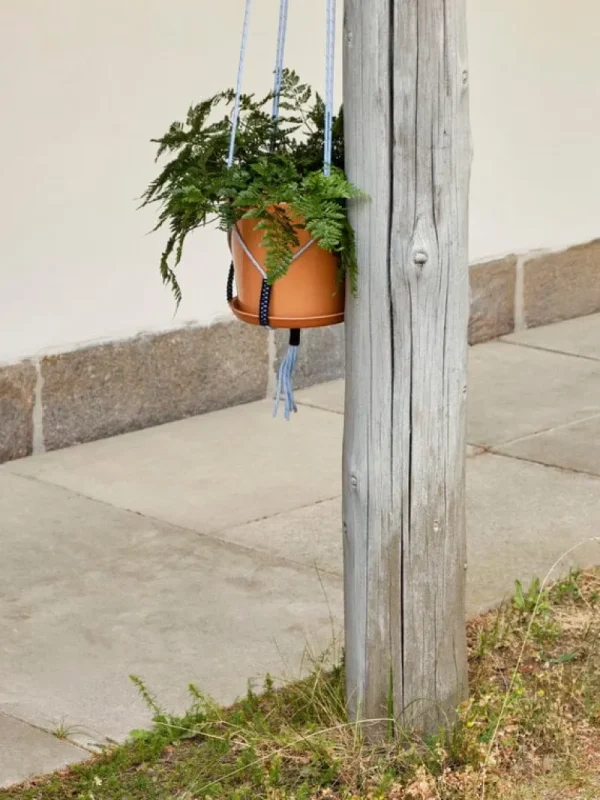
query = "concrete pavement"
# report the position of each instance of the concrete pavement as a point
(209, 550)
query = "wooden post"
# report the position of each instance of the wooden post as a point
(408, 146)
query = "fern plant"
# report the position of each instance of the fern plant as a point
(276, 179)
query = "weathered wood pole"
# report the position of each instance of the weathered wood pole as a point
(408, 146)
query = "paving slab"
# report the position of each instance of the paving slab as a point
(26, 752)
(90, 594)
(570, 446)
(518, 391)
(96, 593)
(311, 536)
(579, 337)
(521, 518)
(208, 472)
(513, 392)
(328, 396)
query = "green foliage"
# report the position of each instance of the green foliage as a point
(276, 178)
(527, 602)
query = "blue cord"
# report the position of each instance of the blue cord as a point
(285, 385)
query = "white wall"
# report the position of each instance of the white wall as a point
(85, 84)
(535, 105)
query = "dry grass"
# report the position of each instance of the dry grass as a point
(531, 728)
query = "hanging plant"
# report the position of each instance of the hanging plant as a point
(277, 178)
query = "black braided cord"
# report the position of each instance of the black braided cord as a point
(230, 278)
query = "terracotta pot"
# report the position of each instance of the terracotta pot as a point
(308, 296)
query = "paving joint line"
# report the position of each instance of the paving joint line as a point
(542, 431)
(557, 467)
(47, 732)
(548, 349)
(320, 408)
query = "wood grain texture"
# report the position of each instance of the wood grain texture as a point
(408, 146)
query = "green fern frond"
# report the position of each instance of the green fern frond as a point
(276, 178)
(167, 273)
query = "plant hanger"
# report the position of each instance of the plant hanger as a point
(284, 384)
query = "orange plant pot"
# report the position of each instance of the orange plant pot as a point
(308, 296)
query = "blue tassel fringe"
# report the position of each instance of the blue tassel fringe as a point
(284, 383)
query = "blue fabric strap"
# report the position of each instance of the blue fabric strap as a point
(238, 87)
(284, 383)
(279, 57)
(329, 75)
(265, 289)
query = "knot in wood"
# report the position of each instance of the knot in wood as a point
(353, 481)
(420, 258)
(465, 77)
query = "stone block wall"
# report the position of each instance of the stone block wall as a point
(104, 390)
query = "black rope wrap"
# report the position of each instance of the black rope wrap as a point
(265, 299)
(230, 278)
(265, 296)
